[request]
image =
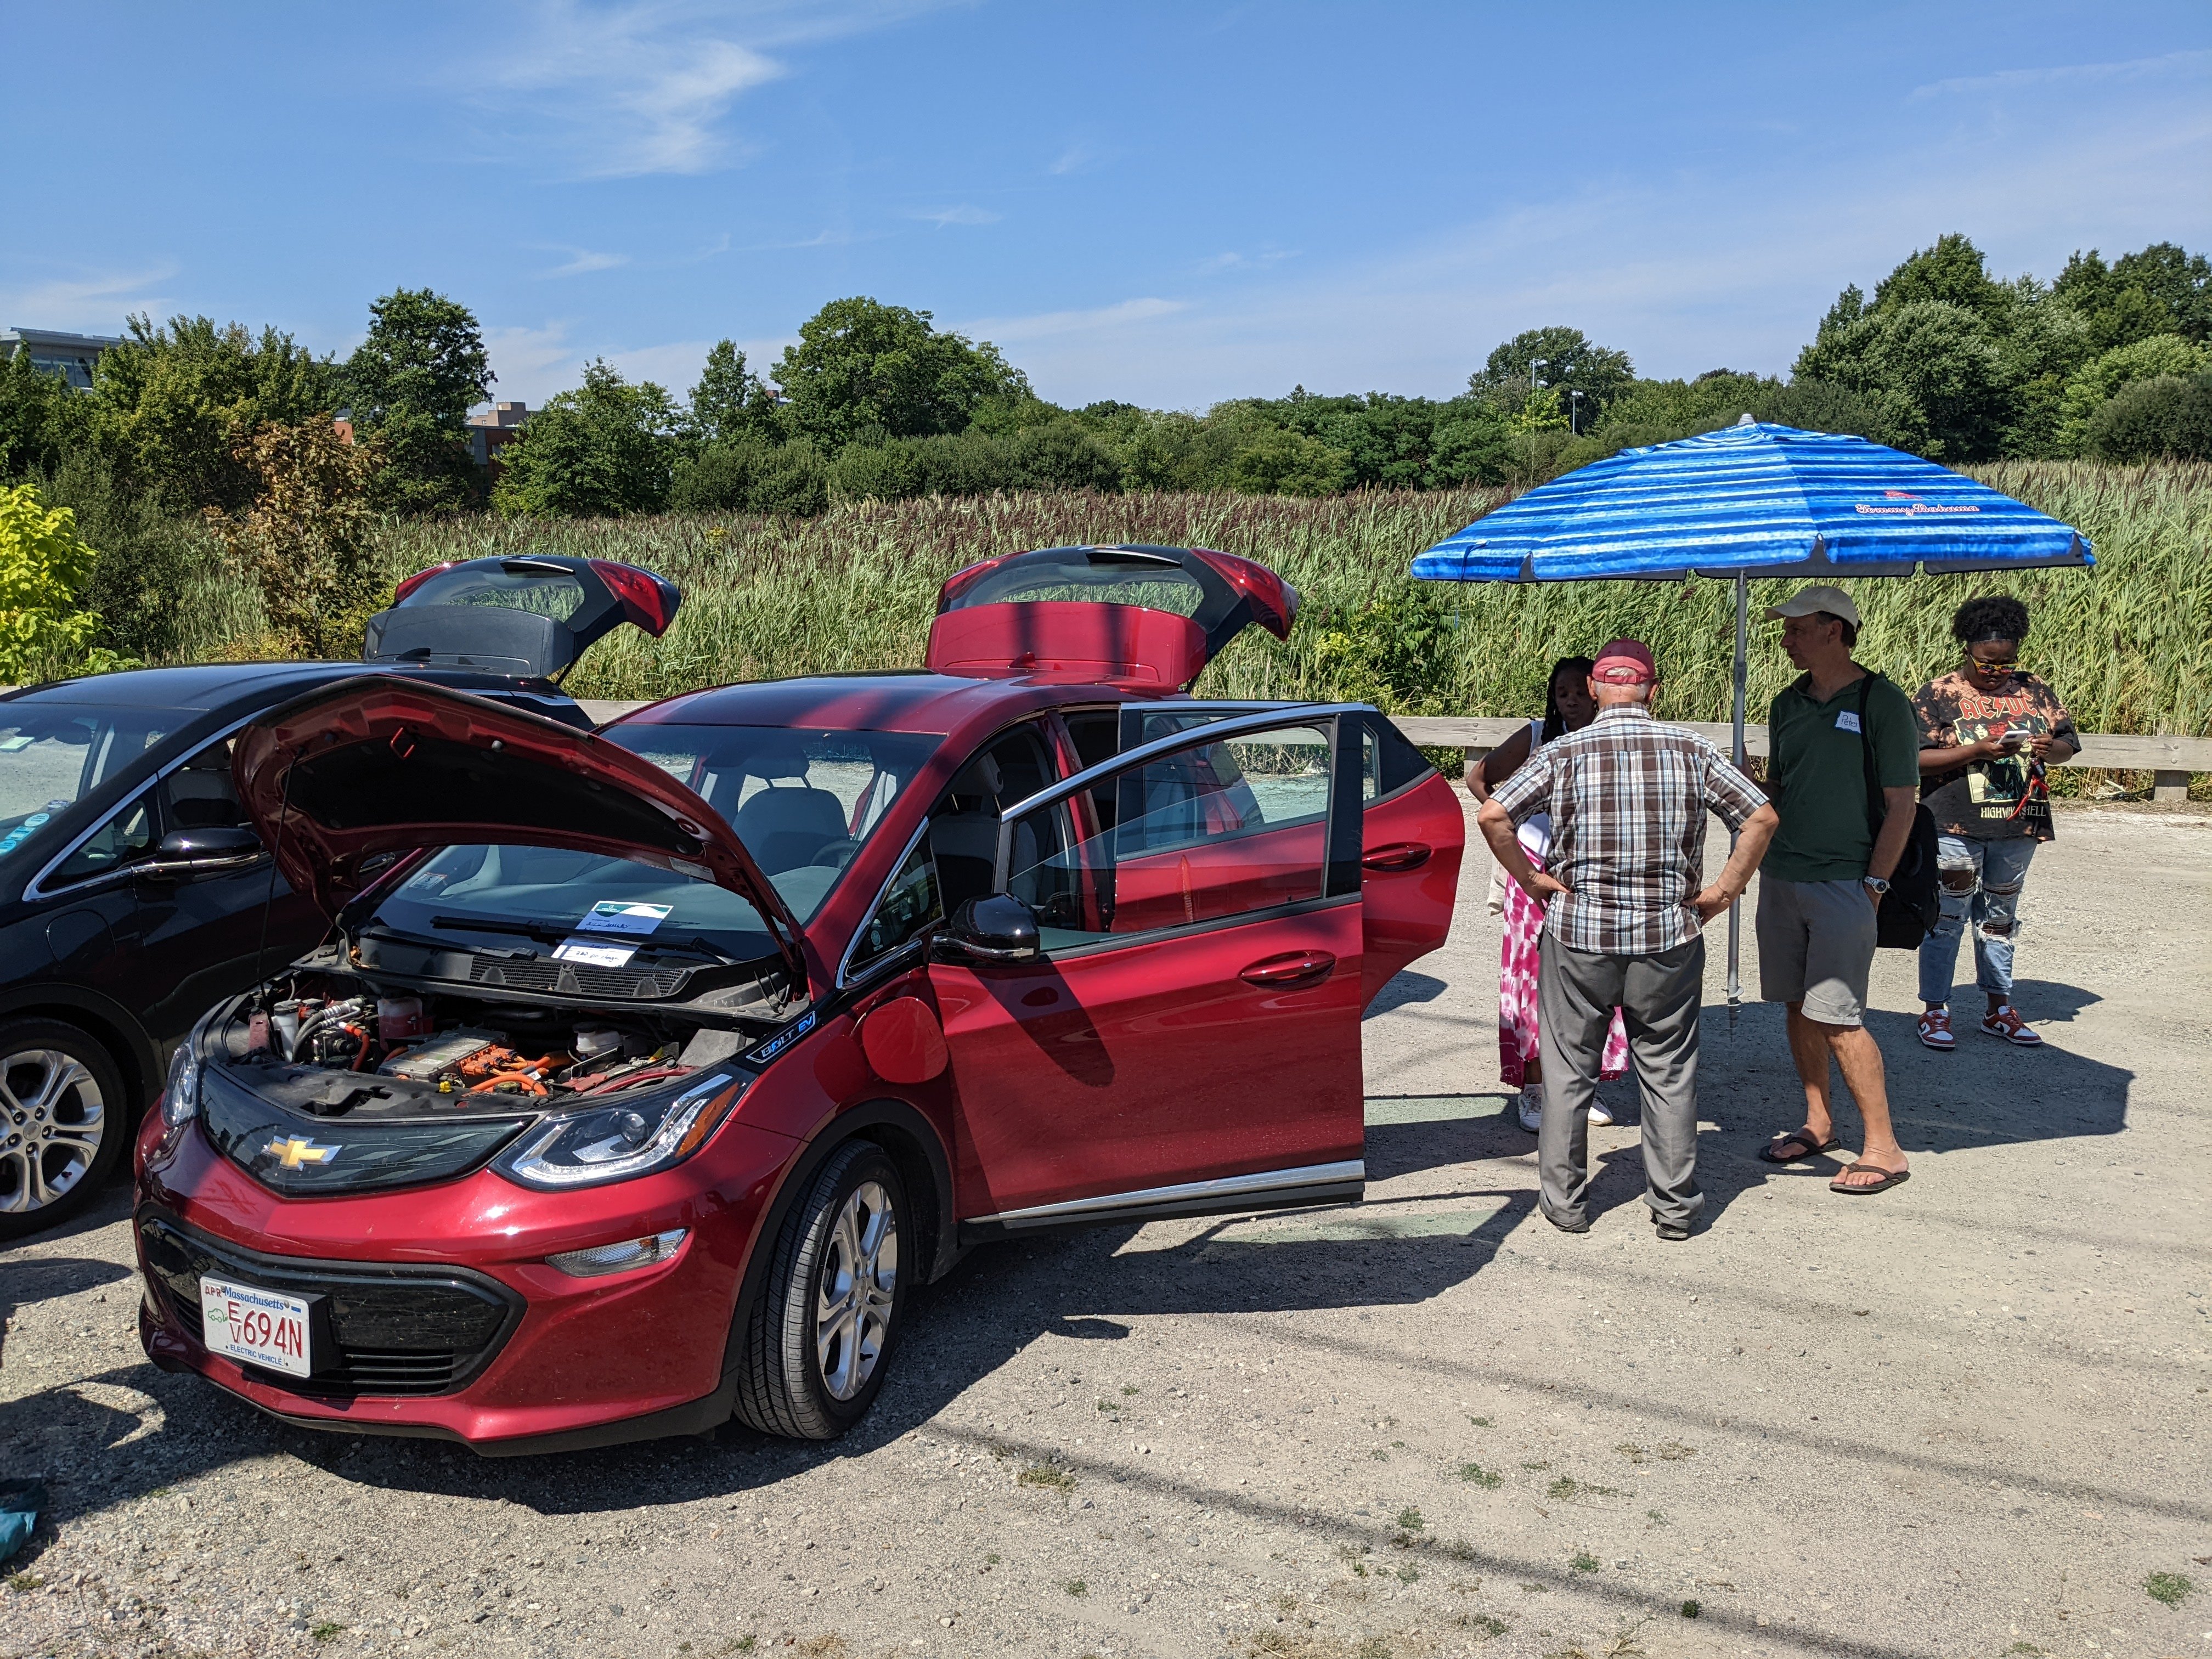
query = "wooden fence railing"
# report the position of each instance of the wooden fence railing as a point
(2170, 759)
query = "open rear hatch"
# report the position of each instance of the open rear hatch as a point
(378, 765)
(530, 617)
(1145, 618)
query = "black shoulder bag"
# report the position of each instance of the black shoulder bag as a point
(1908, 911)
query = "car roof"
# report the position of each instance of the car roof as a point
(898, 701)
(205, 686)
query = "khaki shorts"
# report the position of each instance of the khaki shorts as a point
(1816, 943)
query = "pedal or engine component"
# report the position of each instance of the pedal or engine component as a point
(440, 1055)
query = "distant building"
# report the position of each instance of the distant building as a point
(494, 429)
(69, 355)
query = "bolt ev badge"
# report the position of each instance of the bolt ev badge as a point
(296, 1150)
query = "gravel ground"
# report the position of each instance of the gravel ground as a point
(1967, 1417)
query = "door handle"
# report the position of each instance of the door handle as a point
(1397, 855)
(1292, 968)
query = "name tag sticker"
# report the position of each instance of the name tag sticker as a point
(1848, 720)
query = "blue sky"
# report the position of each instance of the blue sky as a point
(1168, 204)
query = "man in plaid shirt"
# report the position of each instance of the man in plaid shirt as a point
(1623, 926)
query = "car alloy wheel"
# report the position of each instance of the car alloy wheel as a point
(55, 1125)
(815, 1338)
(860, 1283)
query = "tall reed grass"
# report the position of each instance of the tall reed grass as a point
(2128, 645)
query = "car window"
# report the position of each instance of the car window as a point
(125, 838)
(54, 755)
(201, 795)
(803, 802)
(548, 590)
(909, 905)
(1220, 829)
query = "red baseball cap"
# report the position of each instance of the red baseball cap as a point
(1625, 662)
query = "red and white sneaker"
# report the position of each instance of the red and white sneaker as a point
(2006, 1023)
(1936, 1029)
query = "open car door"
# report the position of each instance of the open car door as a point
(530, 617)
(1148, 618)
(1184, 1036)
(1413, 831)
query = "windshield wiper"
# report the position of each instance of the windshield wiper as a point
(379, 930)
(496, 925)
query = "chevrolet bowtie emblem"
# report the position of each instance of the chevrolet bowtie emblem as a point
(294, 1151)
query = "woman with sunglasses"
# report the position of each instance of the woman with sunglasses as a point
(1988, 730)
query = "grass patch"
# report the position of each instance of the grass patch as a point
(1691, 1609)
(1128, 1388)
(1476, 1476)
(1540, 1463)
(2170, 1588)
(1480, 1422)
(25, 1581)
(1674, 1451)
(329, 1630)
(1566, 1488)
(1050, 1476)
(1488, 1624)
(1584, 1562)
(2126, 647)
(1409, 1519)
(1076, 1587)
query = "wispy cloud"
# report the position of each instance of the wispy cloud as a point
(94, 300)
(533, 363)
(1054, 323)
(1234, 261)
(2172, 62)
(966, 213)
(583, 260)
(646, 87)
(1077, 158)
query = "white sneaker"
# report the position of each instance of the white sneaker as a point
(1598, 1112)
(1532, 1110)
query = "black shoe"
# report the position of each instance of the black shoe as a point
(1565, 1226)
(1672, 1230)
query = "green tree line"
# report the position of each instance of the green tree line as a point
(198, 440)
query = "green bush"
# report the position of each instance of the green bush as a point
(2168, 417)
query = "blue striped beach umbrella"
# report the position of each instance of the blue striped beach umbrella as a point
(1754, 499)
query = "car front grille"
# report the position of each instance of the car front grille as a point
(376, 1330)
(573, 979)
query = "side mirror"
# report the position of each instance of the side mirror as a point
(209, 848)
(996, 928)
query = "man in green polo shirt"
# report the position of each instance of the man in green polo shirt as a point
(1826, 871)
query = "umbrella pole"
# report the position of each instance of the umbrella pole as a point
(1743, 673)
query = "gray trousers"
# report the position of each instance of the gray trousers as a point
(1659, 996)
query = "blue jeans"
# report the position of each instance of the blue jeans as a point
(1979, 881)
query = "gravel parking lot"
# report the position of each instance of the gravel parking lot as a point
(1965, 1418)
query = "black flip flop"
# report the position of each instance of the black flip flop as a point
(1889, 1178)
(1801, 1138)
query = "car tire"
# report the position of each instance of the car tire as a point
(820, 1334)
(63, 1123)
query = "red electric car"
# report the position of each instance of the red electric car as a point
(643, 1073)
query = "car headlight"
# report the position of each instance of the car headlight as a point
(180, 1094)
(614, 1143)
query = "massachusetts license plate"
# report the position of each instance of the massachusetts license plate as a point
(262, 1327)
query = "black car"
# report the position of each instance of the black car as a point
(134, 893)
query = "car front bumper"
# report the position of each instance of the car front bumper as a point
(433, 1311)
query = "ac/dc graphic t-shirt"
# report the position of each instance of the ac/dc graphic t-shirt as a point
(2005, 798)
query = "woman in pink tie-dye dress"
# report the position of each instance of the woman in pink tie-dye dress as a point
(1568, 708)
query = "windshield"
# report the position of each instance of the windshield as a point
(54, 755)
(803, 802)
(580, 907)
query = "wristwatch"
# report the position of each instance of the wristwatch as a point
(1878, 883)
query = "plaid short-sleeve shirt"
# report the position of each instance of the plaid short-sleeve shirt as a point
(1628, 798)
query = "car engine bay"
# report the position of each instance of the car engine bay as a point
(329, 1046)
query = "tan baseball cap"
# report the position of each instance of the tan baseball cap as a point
(1819, 597)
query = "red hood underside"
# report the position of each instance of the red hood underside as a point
(378, 764)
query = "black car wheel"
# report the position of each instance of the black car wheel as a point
(820, 1334)
(63, 1123)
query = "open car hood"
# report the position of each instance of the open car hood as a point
(531, 615)
(1148, 618)
(376, 764)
